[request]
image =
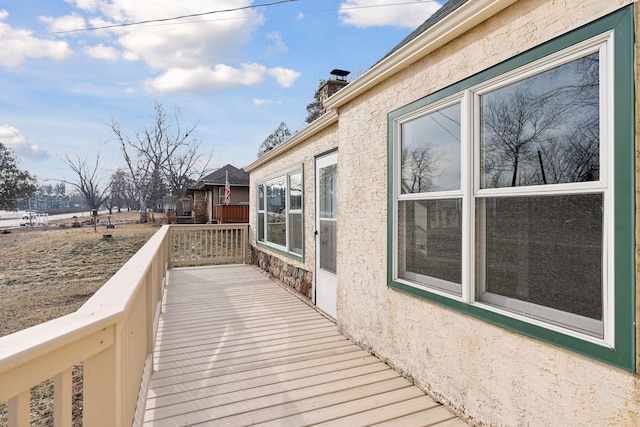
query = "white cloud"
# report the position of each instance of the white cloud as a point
(18, 45)
(64, 23)
(13, 138)
(284, 76)
(371, 13)
(100, 51)
(89, 5)
(221, 76)
(212, 39)
(278, 45)
(206, 79)
(202, 56)
(261, 102)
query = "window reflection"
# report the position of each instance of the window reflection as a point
(328, 192)
(543, 129)
(295, 191)
(276, 210)
(431, 152)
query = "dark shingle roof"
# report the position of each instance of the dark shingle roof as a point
(446, 9)
(237, 177)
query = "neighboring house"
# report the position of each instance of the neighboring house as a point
(466, 210)
(209, 191)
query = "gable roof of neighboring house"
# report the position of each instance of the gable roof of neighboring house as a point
(237, 178)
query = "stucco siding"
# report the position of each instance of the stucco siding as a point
(485, 372)
(302, 154)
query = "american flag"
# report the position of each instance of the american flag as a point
(227, 190)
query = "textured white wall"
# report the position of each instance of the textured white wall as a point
(303, 153)
(490, 374)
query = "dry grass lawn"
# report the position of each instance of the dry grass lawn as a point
(49, 272)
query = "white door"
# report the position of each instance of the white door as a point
(326, 232)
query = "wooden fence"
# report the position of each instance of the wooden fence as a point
(232, 214)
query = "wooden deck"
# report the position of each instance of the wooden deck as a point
(234, 348)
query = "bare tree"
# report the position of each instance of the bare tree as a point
(513, 126)
(314, 108)
(185, 168)
(87, 181)
(418, 169)
(163, 153)
(280, 135)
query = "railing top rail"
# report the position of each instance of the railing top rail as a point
(29, 344)
(106, 307)
(209, 226)
(115, 296)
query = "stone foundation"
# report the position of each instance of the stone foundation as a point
(295, 277)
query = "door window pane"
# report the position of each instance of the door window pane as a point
(430, 152)
(328, 191)
(544, 129)
(328, 234)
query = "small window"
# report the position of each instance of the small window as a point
(280, 217)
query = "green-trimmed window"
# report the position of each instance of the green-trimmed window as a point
(512, 193)
(279, 213)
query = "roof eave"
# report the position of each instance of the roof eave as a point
(457, 23)
(316, 126)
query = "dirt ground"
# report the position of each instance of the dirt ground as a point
(51, 271)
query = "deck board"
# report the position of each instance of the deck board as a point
(235, 348)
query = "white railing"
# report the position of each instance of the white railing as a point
(205, 245)
(112, 335)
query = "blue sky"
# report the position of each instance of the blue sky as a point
(238, 74)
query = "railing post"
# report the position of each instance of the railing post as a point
(62, 399)
(151, 285)
(245, 245)
(100, 392)
(19, 410)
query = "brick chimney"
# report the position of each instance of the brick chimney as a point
(337, 81)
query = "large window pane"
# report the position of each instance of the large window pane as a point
(276, 212)
(544, 250)
(431, 152)
(544, 129)
(430, 243)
